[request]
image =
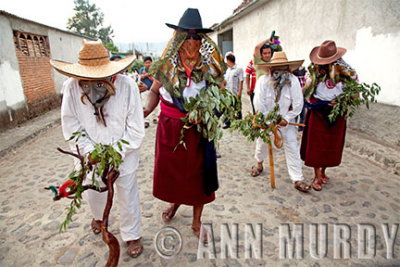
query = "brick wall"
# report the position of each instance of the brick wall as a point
(37, 80)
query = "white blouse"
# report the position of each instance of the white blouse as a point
(191, 91)
(328, 94)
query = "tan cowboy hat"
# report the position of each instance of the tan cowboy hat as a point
(93, 63)
(326, 53)
(279, 59)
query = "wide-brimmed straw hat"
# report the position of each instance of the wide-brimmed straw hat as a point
(326, 53)
(279, 59)
(190, 20)
(93, 63)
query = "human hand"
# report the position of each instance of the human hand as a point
(332, 103)
(142, 87)
(283, 123)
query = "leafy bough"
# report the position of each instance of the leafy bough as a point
(354, 95)
(258, 125)
(207, 110)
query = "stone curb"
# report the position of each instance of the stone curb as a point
(32, 129)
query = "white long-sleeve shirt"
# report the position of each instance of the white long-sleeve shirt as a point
(264, 98)
(123, 114)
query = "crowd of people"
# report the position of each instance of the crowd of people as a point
(109, 107)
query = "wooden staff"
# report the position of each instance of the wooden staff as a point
(271, 164)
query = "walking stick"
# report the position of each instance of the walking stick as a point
(271, 165)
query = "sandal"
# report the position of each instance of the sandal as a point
(317, 184)
(169, 213)
(325, 179)
(135, 248)
(96, 227)
(301, 186)
(255, 171)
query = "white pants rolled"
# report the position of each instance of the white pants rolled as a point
(292, 152)
(127, 194)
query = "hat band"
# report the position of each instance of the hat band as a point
(92, 58)
(94, 61)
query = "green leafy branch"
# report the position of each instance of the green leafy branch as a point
(102, 159)
(207, 110)
(354, 95)
(258, 125)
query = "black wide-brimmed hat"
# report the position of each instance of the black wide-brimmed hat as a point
(190, 20)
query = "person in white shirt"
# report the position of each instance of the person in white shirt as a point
(280, 86)
(233, 81)
(107, 106)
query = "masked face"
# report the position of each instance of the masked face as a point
(189, 51)
(95, 91)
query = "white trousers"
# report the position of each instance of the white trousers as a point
(127, 194)
(292, 152)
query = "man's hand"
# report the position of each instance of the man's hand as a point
(142, 87)
(283, 123)
(249, 92)
(332, 103)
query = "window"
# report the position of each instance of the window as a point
(31, 44)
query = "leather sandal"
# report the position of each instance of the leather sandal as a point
(96, 227)
(255, 171)
(169, 213)
(301, 186)
(325, 179)
(317, 184)
(135, 248)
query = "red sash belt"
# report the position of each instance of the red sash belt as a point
(170, 111)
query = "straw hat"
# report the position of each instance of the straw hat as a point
(326, 53)
(279, 59)
(93, 63)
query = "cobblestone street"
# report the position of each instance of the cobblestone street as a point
(360, 192)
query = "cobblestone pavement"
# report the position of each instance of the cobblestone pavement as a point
(360, 193)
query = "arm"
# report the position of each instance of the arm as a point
(258, 47)
(152, 99)
(134, 121)
(297, 100)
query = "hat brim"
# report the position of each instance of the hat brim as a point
(203, 30)
(79, 71)
(291, 64)
(326, 60)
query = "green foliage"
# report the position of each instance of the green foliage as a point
(88, 20)
(354, 95)
(111, 47)
(258, 125)
(102, 154)
(136, 66)
(207, 110)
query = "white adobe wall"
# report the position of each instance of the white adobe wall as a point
(368, 29)
(11, 90)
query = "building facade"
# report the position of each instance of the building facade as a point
(28, 84)
(368, 29)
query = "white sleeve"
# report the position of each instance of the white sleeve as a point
(297, 100)
(69, 119)
(134, 124)
(259, 100)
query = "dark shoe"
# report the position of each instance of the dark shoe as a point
(226, 126)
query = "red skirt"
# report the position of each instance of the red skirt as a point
(322, 143)
(178, 175)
